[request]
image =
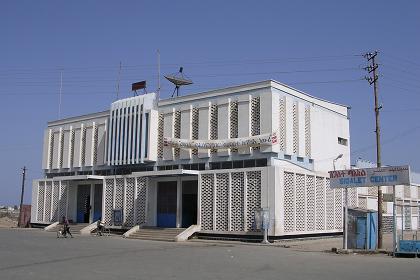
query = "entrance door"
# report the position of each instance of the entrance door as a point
(166, 204)
(83, 203)
(97, 202)
(361, 233)
(189, 203)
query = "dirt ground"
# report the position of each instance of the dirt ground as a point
(8, 220)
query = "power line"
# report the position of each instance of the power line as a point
(222, 62)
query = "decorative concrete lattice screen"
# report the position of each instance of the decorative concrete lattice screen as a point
(207, 190)
(407, 192)
(213, 125)
(60, 155)
(282, 123)
(352, 197)
(108, 200)
(407, 217)
(160, 136)
(253, 195)
(83, 146)
(95, 145)
(229, 200)
(310, 205)
(363, 203)
(222, 202)
(63, 199)
(48, 196)
(129, 202)
(177, 131)
(141, 200)
(320, 203)
(51, 149)
(119, 196)
(40, 201)
(55, 201)
(71, 148)
(233, 133)
(295, 129)
(255, 118)
(373, 191)
(237, 201)
(194, 128)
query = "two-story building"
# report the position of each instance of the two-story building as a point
(209, 159)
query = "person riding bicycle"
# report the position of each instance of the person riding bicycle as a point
(66, 227)
(100, 226)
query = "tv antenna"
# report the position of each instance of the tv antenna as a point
(178, 79)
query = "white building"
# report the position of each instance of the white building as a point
(208, 159)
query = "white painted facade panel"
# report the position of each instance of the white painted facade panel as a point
(289, 125)
(186, 131)
(223, 126)
(244, 129)
(203, 129)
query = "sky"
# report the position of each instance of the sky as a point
(314, 46)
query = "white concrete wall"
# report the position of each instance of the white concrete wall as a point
(326, 127)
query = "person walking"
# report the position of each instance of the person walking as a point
(66, 227)
(99, 226)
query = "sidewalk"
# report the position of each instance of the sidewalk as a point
(323, 244)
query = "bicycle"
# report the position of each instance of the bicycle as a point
(105, 231)
(61, 233)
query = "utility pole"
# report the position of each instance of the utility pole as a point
(372, 68)
(21, 195)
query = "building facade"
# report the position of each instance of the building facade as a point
(209, 159)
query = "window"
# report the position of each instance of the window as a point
(214, 165)
(342, 141)
(300, 159)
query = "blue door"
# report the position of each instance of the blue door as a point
(83, 203)
(166, 204)
(361, 233)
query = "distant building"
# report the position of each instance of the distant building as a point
(209, 159)
(409, 196)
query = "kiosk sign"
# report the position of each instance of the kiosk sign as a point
(369, 177)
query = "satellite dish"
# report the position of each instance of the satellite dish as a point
(178, 79)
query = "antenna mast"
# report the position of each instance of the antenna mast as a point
(118, 82)
(158, 60)
(61, 88)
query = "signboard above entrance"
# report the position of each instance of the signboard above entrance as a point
(251, 141)
(369, 177)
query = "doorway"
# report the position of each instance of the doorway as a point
(83, 203)
(97, 202)
(189, 203)
(166, 204)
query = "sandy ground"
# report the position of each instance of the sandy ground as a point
(6, 222)
(35, 254)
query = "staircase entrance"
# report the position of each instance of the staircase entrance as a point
(166, 204)
(189, 203)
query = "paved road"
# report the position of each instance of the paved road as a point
(33, 254)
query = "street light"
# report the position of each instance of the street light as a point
(338, 157)
(345, 209)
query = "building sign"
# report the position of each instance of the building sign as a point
(251, 141)
(369, 177)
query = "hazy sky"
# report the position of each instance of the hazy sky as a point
(314, 46)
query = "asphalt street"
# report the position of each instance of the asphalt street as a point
(34, 254)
